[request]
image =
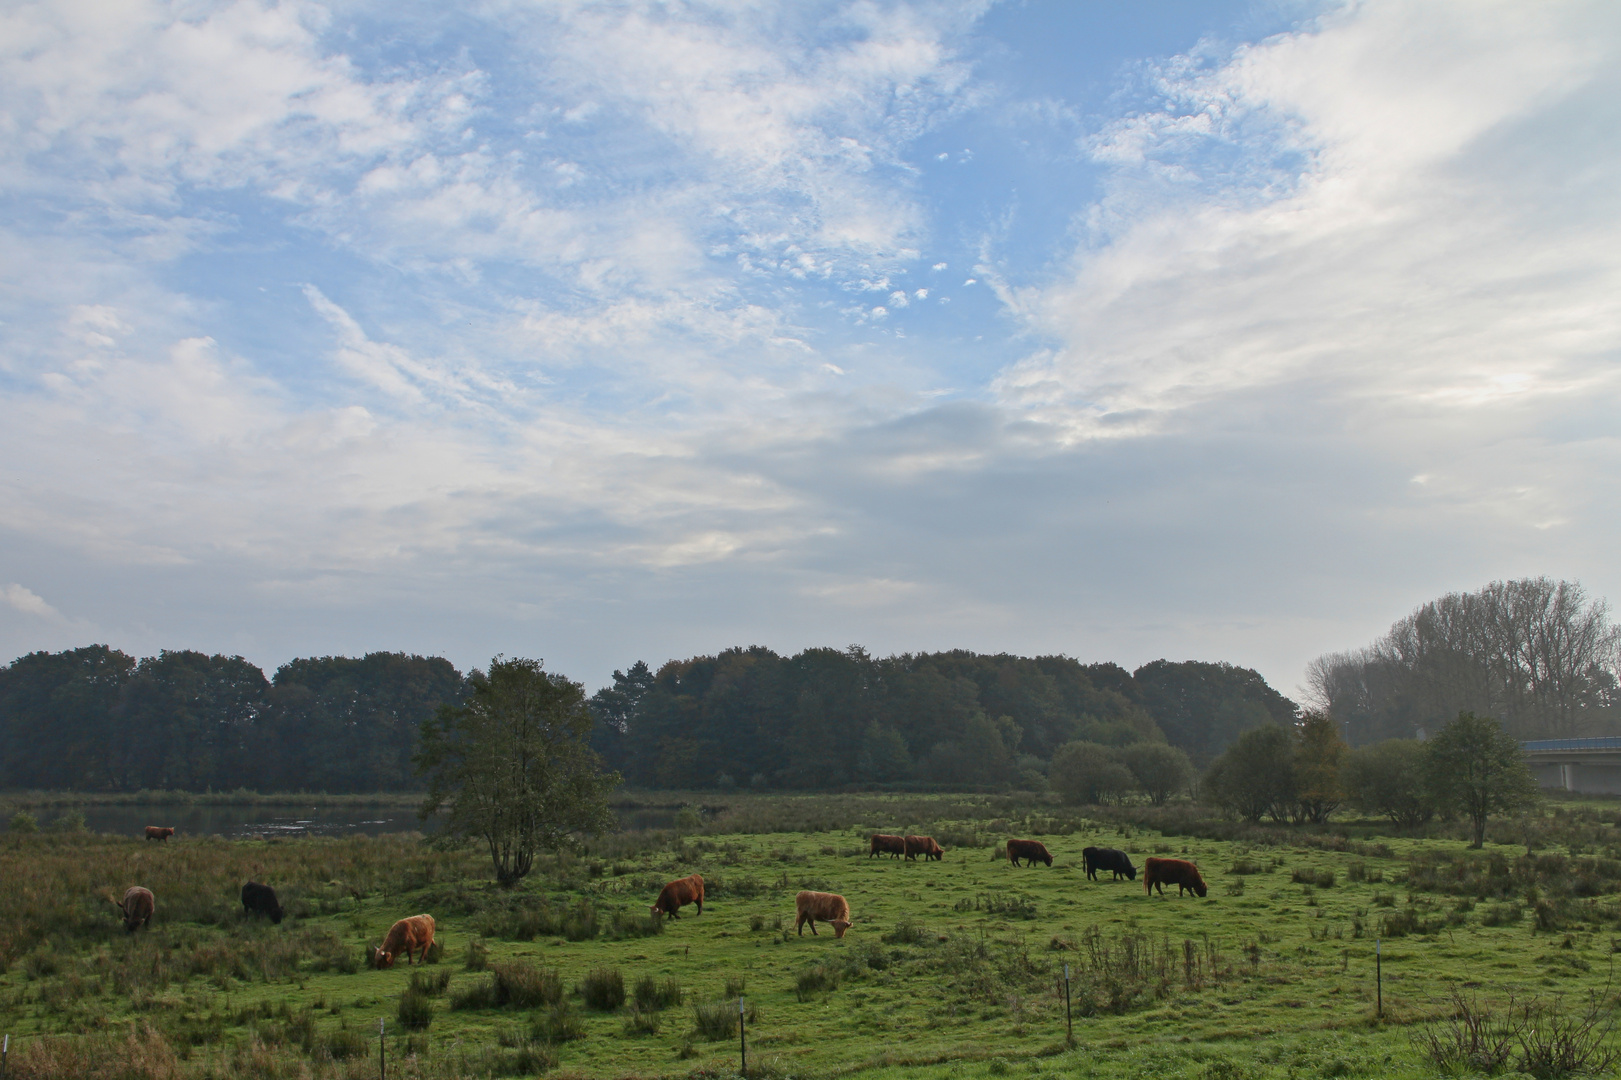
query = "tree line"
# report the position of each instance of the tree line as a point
(1538, 654)
(97, 719)
(828, 718)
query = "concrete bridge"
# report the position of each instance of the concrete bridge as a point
(1586, 766)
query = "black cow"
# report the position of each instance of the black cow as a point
(260, 899)
(1107, 858)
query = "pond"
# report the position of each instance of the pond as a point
(242, 822)
(247, 821)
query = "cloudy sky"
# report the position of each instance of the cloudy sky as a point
(605, 331)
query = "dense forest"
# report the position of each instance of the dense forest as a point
(96, 719)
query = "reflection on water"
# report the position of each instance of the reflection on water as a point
(266, 820)
(259, 820)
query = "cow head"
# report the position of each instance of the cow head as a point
(1199, 887)
(655, 910)
(380, 959)
(839, 926)
(1131, 873)
(1048, 860)
(275, 916)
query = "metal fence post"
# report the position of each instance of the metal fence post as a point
(1379, 978)
(742, 1036)
(1069, 1024)
(5, 1052)
(382, 1050)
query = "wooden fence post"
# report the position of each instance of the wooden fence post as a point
(382, 1049)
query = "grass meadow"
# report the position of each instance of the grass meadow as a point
(951, 968)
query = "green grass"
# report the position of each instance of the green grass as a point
(950, 969)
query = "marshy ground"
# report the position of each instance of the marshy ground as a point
(952, 968)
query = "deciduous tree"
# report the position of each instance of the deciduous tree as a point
(513, 766)
(1476, 769)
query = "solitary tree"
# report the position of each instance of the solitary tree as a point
(1319, 754)
(514, 767)
(1476, 769)
(1255, 775)
(1160, 770)
(1085, 772)
(1388, 778)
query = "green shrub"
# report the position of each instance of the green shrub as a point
(416, 1009)
(906, 932)
(715, 1020)
(478, 956)
(558, 1024)
(735, 985)
(1322, 879)
(430, 985)
(815, 980)
(641, 1023)
(625, 925)
(603, 988)
(22, 822)
(513, 984)
(70, 822)
(344, 1044)
(653, 994)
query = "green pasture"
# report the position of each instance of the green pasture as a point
(951, 968)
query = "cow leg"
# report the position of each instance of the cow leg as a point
(799, 924)
(700, 905)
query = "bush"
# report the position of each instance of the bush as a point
(22, 822)
(653, 994)
(641, 1023)
(416, 1008)
(558, 1024)
(906, 932)
(625, 925)
(512, 984)
(430, 985)
(344, 1044)
(70, 822)
(816, 980)
(715, 1021)
(603, 988)
(478, 956)
(735, 986)
(1322, 879)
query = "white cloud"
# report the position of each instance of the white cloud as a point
(21, 599)
(1417, 261)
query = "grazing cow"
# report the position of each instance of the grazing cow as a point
(831, 908)
(158, 832)
(1107, 858)
(414, 933)
(260, 899)
(687, 890)
(885, 844)
(1031, 850)
(924, 846)
(137, 908)
(1158, 873)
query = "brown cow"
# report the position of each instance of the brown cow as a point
(831, 908)
(158, 832)
(414, 933)
(924, 846)
(1158, 873)
(1031, 850)
(885, 844)
(137, 908)
(687, 890)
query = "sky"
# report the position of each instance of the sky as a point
(616, 331)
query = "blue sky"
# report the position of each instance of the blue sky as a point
(615, 331)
